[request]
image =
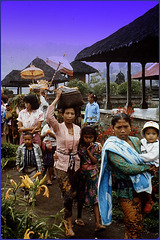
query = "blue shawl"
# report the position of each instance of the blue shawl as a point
(141, 182)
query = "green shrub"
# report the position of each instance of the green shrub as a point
(113, 88)
(136, 88)
(8, 150)
(99, 88)
(83, 87)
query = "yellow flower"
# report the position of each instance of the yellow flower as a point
(67, 230)
(7, 193)
(39, 190)
(13, 183)
(26, 182)
(27, 233)
(46, 192)
(37, 174)
(43, 179)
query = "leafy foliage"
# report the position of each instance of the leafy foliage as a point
(113, 88)
(99, 88)
(136, 88)
(8, 150)
(83, 87)
(17, 217)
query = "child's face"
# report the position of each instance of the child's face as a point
(8, 108)
(87, 138)
(28, 140)
(151, 135)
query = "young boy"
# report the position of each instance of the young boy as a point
(29, 158)
(150, 151)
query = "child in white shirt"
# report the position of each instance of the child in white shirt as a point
(48, 149)
(150, 151)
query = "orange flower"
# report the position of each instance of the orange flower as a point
(7, 193)
(27, 233)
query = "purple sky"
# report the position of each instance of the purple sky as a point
(46, 28)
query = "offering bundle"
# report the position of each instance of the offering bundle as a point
(70, 97)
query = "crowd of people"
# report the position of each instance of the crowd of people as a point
(70, 154)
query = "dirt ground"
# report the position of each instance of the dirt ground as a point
(53, 204)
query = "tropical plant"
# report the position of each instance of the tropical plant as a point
(8, 150)
(8, 154)
(136, 88)
(113, 88)
(82, 87)
(18, 219)
(99, 88)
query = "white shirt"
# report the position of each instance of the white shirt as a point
(30, 119)
(151, 152)
(48, 137)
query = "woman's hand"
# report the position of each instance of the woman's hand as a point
(35, 130)
(58, 93)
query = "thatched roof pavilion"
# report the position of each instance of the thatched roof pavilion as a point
(80, 69)
(13, 79)
(135, 42)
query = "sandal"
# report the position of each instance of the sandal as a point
(100, 228)
(49, 182)
(79, 222)
(148, 206)
(69, 233)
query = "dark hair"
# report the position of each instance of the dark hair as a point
(144, 130)
(33, 100)
(28, 133)
(87, 130)
(120, 116)
(76, 109)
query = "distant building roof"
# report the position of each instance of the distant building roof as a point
(151, 72)
(13, 79)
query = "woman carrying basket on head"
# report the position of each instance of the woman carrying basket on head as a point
(67, 161)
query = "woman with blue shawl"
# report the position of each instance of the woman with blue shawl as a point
(121, 154)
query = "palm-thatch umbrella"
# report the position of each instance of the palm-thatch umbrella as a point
(13, 79)
(32, 73)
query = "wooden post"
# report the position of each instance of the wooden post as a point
(129, 103)
(108, 104)
(144, 104)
